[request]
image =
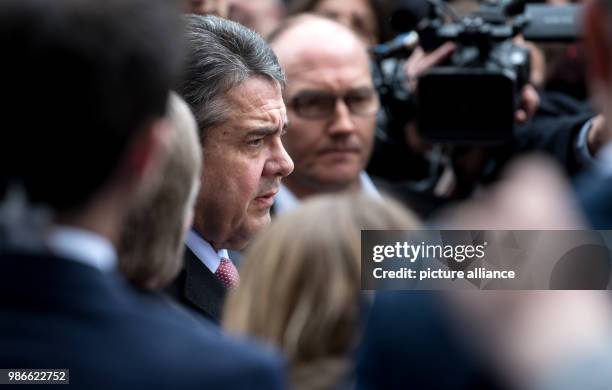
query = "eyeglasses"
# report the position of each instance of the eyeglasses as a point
(322, 105)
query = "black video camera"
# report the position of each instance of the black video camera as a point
(472, 97)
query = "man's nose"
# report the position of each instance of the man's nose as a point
(342, 121)
(280, 163)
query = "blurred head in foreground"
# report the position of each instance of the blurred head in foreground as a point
(151, 245)
(300, 284)
(86, 121)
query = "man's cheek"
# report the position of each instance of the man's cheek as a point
(252, 188)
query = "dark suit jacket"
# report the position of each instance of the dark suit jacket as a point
(57, 313)
(198, 288)
(595, 195)
(410, 342)
(554, 129)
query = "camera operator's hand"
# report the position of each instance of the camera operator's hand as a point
(419, 62)
(530, 101)
(537, 61)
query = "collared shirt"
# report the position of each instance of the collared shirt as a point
(285, 200)
(82, 246)
(204, 251)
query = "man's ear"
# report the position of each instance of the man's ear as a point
(598, 41)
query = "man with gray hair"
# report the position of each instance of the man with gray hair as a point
(233, 84)
(75, 162)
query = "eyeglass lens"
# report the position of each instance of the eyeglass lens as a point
(317, 104)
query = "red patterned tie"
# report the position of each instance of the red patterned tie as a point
(227, 273)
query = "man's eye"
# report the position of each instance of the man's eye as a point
(363, 95)
(255, 142)
(358, 98)
(310, 102)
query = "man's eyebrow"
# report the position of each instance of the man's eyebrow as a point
(311, 92)
(362, 89)
(263, 131)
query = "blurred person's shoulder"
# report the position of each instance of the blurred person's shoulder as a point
(200, 349)
(422, 203)
(111, 336)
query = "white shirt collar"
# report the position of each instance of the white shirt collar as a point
(285, 200)
(368, 187)
(82, 246)
(204, 251)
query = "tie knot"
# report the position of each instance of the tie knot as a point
(227, 273)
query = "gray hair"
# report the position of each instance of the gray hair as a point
(221, 55)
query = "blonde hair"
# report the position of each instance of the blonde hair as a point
(151, 243)
(300, 281)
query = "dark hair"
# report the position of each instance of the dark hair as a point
(221, 55)
(79, 79)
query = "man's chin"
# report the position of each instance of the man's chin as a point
(258, 223)
(338, 172)
(247, 231)
(340, 182)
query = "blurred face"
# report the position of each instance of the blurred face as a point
(244, 161)
(206, 7)
(262, 16)
(332, 109)
(354, 14)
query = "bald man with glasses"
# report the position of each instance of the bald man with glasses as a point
(331, 106)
